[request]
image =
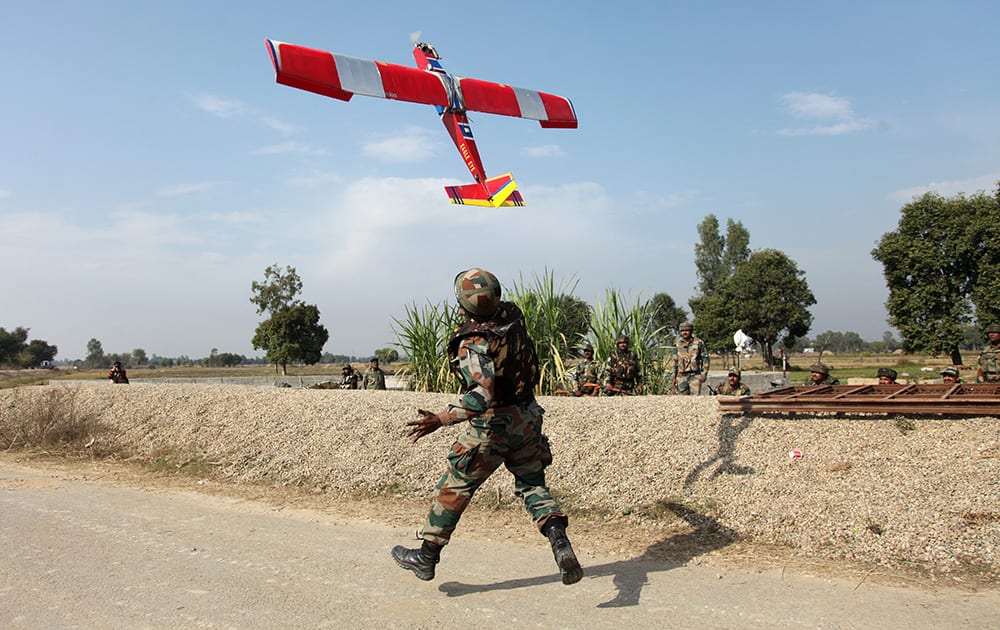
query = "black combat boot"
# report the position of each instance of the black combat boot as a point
(569, 566)
(420, 561)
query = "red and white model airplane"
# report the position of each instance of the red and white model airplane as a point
(341, 77)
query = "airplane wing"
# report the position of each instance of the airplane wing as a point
(341, 77)
(496, 98)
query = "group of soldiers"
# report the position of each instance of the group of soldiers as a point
(988, 367)
(372, 378)
(623, 375)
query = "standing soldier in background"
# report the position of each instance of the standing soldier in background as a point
(587, 374)
(495, 361)
(624, 373)
(734, 385)
(374, 377)
(690, 362)
(989, 358)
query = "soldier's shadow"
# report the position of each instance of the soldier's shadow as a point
(727, 433)
(629, 576)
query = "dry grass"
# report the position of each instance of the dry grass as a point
(52, 423)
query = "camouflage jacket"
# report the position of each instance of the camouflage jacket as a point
(374, 379)
(495, 362)
(624, 371)
(587, 372)
(989, 363)
(349, 381)
(691, 357)
(726, 390)
(827, 380)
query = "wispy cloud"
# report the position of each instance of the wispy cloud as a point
(985, 183)
(228, 108)
(834, 115)
(412, 144)
(5, 193)
(179, 190)
(545, 151)
(218, 105)
(289, 147)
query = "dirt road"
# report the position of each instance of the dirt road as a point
(84, 553)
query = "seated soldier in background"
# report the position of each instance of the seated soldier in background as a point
(734, 385)
(886, 376)
(819, 374)
(349, 377)
(950, 375)
(587, 374)
(117, 374)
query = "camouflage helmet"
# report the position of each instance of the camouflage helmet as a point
(588, 348)
(993, 328)
(621, 338)
(819, 368)
(734, 372)
(686, 326)
(887, 372)
(951, 370)
(478, 292)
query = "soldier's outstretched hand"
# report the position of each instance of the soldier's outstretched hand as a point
(429, 423)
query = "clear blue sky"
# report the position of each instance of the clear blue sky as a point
(151, 168)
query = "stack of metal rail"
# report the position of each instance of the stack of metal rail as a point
(962, 399)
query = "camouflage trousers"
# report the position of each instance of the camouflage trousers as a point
(511, 436)
(689, 384)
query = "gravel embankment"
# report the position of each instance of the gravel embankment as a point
(899, 492)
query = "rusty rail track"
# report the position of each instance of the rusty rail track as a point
(959, 399)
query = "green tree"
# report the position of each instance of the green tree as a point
(37, 351)
(292, 335)
(277, 291)
(12, 344)
(95, 355)
(941, 267)
(708, 255)
(737, 247)
(768, 298)
(387, 355)
(139, 357)
(666, 316)
(840, 341)
(716, 260)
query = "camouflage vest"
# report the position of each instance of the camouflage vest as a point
(623, 370)
(989, 362)
(515, 364)
(726, 390)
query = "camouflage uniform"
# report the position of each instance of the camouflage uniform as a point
(586, 372)
(989, 360)
(740, 390)
(624, 371)
(951, 371)
(374, 378)
(349, 378)
(691, 363)
(819, 368)
(496, 362)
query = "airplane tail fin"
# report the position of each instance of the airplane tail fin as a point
(498, 191)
